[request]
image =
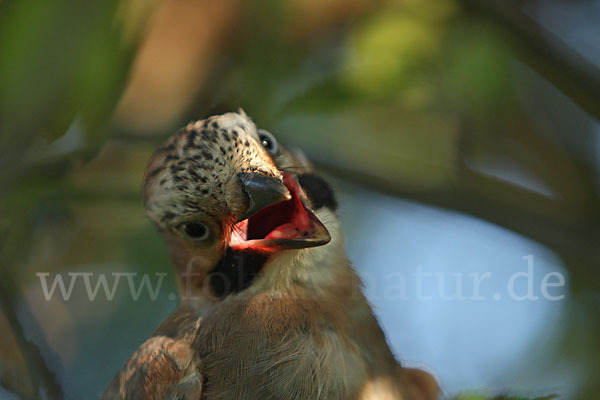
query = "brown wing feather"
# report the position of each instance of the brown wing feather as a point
(164, 367)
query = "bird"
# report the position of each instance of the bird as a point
(270, 306)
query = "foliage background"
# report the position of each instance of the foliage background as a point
(461, 135)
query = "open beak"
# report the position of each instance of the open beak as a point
(262, 192)
(278, 216)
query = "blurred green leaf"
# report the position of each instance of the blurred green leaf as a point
(390, 53)
(478, 80)
(58, 59)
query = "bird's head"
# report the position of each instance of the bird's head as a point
(237, 210)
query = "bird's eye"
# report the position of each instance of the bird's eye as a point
(196, 230)
(268, 142)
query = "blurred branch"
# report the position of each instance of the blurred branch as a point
(42, 378)
(501, 203)
(571, 181)
(548, 54)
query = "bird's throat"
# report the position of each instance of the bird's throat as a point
(235, 271)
